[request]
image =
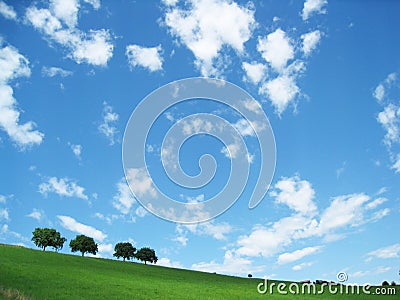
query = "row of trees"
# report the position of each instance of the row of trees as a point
(127, 251)
(48, 237)
(386, 283)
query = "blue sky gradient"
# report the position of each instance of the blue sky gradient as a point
(326, 73)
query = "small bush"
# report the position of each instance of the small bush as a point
(393, 283)
(385, 283)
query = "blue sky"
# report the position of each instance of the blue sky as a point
(326, 74)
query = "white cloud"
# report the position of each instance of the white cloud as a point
(108, 126)
(389, 118)
(267, 241)
(253, 106)
(297, 255)
(77, 150)
(375, 271)
(14, 65)
(297, 194)
(106, 249)
(66, 11)
(310, 41)
(197, 199)
(396, 165)
(379, 92)
(7, 11)
(4, 229)
(340, 170)
(244, 128)
(276, 49)
(347, 210)
(360, 274)
(109, 219)
(170, 2)
(209, 25)
(231, 150)
(63, 187)
(343, 213)
(250, 158)
(123, 200)
(255, 72)
(96, 49)
(3, 199)
(94, 3)
(302, 266)
(381, 191)
(73, 225)
(313, 7)
(36, 214)
(196, 125)
(149, 58)
(23, 135)
(392, 251)
(218, 231)
(232, 264)
(58, 23)
(166, 262)
(391, 78)
(281, 91)
(140, 212)
(380, 214)
(169, 116)
(55, 71)
(376, 203)
(140, 179)
(4, 214)
(181, 239)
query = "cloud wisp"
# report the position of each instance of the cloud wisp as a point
(14, 65)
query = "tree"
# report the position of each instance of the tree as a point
(83, 244)
(124, 250)
(48, 237)
(147, 255)
(59, 242)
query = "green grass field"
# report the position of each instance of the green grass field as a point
(47, 275)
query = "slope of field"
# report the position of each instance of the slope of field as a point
(48, 275)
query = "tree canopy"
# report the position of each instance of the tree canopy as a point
(147, 255)
(83, 244)
(124, 250)
(48, 237)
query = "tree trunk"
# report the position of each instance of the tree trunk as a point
(83, 253)
(44, 248)
(124, 258)
(145, 262)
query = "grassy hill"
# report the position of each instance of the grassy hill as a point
(48, 275)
